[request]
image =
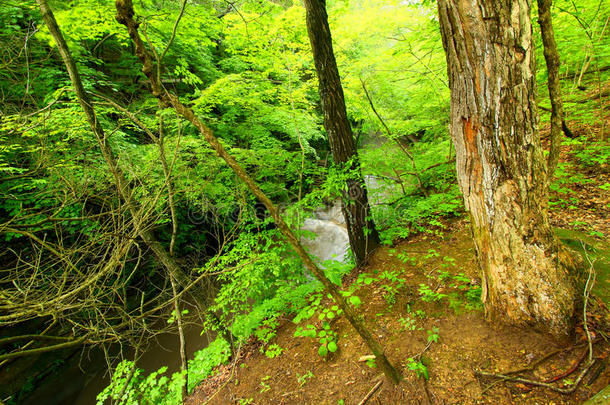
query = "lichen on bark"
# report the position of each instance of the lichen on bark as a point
(500, 166)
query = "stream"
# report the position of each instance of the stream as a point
(81, 380)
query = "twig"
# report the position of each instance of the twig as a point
(588, 287)
(174, 30)
(418, 356)
(400, 145)
(57, 100)
(490, 386)
(370, 393)
(183, 358)
(568, 371)
(132, 371)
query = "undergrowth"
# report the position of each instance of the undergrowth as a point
(263, 282)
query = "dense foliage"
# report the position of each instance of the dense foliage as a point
(247, 71)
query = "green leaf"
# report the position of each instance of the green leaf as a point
(323, 351)
(332, 347)
(355, 300)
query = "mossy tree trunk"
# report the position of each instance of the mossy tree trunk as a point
(551, 56)
(501, 170)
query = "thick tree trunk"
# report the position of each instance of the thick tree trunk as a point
(500, 166)
(551, 57)
(125, 16)
(363, 236)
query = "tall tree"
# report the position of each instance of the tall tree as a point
(125, 16)
(363, 236)
(526, 273)
(551, 56)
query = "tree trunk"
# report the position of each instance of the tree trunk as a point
(526, 276)
(363, 236)
(125, 16)
(182, 341)
(551, 57)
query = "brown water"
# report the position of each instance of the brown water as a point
(86, 376)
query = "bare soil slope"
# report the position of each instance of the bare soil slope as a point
(402, 319)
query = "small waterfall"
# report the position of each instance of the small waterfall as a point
(331, 241)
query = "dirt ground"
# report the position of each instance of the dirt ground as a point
(466, 343)
(587, 207)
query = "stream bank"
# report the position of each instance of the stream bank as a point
(85, 372)
(403, 320)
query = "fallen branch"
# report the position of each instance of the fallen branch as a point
(573, 75)
(599, 95)
(370, 393)
(125, 16)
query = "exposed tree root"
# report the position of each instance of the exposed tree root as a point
(539, 383)
(570, 370)
(589, 351)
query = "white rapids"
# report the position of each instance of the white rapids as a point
(328, 223)
(331, 241)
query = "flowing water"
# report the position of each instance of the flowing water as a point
(82, 378)
(330, 241)
(79, 382)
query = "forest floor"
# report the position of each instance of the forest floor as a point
(405, 322)
(466, 343)
(583, 201)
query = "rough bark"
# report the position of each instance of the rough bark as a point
(125, 16)
(551, 56)
(173, 269)
(363, 236)
(526, 276)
